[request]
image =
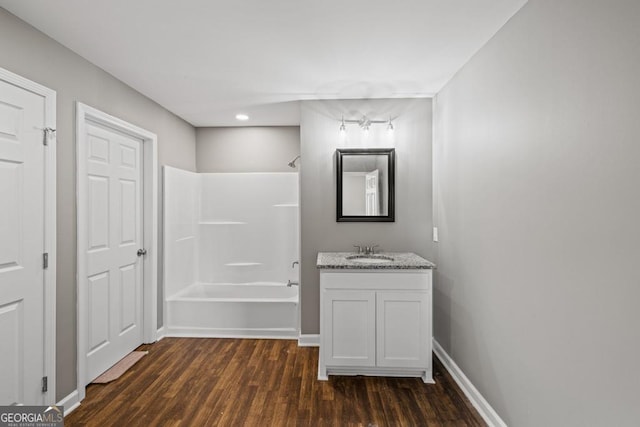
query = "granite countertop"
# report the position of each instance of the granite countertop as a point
(401, 261)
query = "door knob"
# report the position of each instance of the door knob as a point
(142, 252)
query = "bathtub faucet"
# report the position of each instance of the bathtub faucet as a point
(290, 283)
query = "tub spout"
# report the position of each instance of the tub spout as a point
(290, 283)
(294, 264)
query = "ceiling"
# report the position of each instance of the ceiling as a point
(206, 60)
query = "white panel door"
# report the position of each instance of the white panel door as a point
(403, 329)
(22, 118)
(349, 328)
(372, 206)
(114, 233)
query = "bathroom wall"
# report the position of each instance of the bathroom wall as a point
(354, 183)
(319, 131)
(537, 203)
(31, 54)
(247, 149)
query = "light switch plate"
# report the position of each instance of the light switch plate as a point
(435, 234)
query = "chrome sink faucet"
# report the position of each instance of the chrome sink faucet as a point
(370, 250)
(367, 250)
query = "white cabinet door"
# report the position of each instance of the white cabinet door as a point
(349, 336)
(403, 329)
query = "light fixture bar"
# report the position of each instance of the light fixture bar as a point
(364, 123)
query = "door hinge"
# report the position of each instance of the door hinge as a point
(45, 384)
(45, 260)
(48, 133)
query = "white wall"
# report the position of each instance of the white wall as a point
(537, 160)
(249, 227)
(319, 130)
(31, 54)
(230, 228)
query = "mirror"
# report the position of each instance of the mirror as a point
(365, 184)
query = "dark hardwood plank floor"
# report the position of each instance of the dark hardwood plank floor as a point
(233, 382)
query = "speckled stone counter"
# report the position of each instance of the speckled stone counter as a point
(401, 261)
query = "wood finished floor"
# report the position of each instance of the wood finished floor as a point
(232, 382)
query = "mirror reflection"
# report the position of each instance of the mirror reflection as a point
(365, 184)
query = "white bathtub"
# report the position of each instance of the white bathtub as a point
(252, 310)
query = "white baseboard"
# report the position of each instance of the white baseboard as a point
(71, 402)
(488, 414)
(309, 340)
(160, 334)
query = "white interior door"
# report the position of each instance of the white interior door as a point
(114, 270)
(371, 194)
(22, 161)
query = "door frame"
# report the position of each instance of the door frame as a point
(49, 245)
(85, 113)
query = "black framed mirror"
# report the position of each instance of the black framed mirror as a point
(365, 184)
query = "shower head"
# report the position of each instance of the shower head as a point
(292, 163)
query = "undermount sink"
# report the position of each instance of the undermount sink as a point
(369, 259)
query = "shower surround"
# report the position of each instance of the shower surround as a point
(230, 243)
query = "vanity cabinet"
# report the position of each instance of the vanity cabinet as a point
(375, 322)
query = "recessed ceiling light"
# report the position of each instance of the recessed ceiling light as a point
(242, 117)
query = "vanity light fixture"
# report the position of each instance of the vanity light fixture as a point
(365, 128)
(364, 123)
(242, 117)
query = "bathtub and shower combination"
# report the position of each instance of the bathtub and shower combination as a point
(231, 246)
